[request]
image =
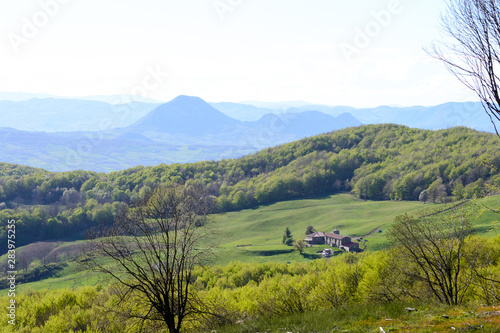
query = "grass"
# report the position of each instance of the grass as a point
(255, 235)
(71, 277)
(370, 318)
(262, 228)
(488, 222)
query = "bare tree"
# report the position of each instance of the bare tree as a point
(472, 49)
(437, 245)
(154, 247)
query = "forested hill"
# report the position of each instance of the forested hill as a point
(9, 170)
(375, 162)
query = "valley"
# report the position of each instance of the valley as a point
(361, 180)
(232, 166)
(254, 235)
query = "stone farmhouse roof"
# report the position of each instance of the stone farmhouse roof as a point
(335, 236)
(316, 234)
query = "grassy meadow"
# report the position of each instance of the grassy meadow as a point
(255, 235)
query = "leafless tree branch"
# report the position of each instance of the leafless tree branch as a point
(471, 51)
(154, 247)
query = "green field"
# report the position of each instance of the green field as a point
(255, 235)
(487, 223)
(260, 230)
(264, 226)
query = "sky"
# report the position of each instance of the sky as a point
(360, 53)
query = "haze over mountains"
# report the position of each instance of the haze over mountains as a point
(68, 134)
(185, 115)
(470, 114)
(55, 115)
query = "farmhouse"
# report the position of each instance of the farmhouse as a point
(333, 239)
(316, 238)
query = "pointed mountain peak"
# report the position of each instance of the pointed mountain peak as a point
(185, 98)
(188, 115)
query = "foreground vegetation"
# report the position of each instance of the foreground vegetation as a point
(377, 162)
(358, 292)
(353, 292)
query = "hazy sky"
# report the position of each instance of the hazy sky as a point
(356, 53)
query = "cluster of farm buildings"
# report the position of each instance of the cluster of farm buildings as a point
(333, 239)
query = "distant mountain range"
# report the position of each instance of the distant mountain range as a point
(185, 129)
(469, 114)
(67, 134)
(56, 114)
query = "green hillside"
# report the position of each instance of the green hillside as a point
(254, 236)
(377, 162)
(16, 170)
(259, 229)
(263, 227)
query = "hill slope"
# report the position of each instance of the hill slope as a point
(374, 162)
(255, 235)
(259, 230)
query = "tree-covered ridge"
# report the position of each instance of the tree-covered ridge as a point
(377, 162)
(374, 162)
(8, 169)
